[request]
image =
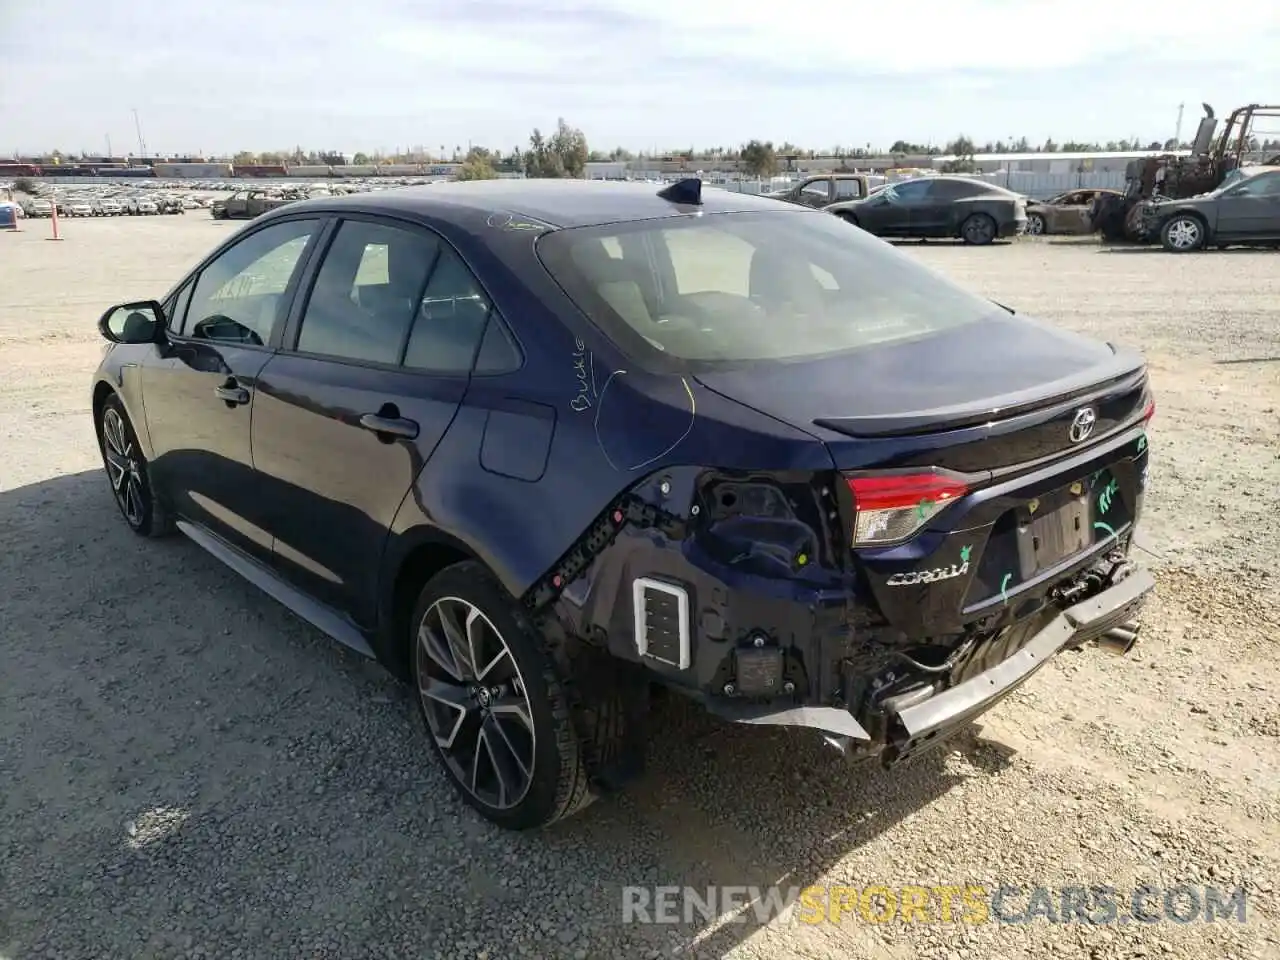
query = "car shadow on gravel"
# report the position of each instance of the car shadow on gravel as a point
(186, 765)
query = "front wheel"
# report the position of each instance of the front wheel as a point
(495, 707)
(1035, 225)
(978, 229)
(1183, 234)
(127, 471)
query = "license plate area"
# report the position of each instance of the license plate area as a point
(1046, 538)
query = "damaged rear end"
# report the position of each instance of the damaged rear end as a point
(963, 511)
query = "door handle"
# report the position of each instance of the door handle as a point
(232, 392)
(386, 426)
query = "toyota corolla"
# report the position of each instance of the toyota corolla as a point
(542, 447)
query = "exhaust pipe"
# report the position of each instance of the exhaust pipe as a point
(1118, 640)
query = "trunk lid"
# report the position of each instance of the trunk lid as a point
(965, 400)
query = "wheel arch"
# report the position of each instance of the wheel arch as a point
(412, 559)
(103, 387)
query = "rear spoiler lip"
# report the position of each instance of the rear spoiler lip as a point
(1125, 370)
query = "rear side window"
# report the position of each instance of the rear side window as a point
(451, 319)
(686, 293)
(945, 188)
(367, 292)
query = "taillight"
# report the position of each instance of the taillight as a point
(894, 506)
(1149, 410)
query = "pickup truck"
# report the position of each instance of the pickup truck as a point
(821, 190)
(245, 205)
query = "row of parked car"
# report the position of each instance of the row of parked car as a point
(942, 207)
(1244, 209)
(100, 206)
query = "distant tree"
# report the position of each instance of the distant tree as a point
(759, 158)
(245, 158)
(1049, 146)
(563, 155)
(478, 165)
(961, 150)
(360, 159)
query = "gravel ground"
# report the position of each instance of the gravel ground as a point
(188, 771)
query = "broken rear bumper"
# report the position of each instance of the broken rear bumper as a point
(920, 723)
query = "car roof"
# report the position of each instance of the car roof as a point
(551, 202)
(1254, 171)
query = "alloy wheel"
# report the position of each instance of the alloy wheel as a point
(123, 468)
(979, 229)
(1184, 234)
(476, 703)
(1035, 225)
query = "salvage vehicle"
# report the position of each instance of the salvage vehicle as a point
(245, 205)
(1067, 213)
(1207, 166)
(1244, 211)
(541, 447)
(938, 207)
(820, 191)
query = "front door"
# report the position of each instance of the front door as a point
(815, 192)
(909, 213)
(1251, 209)
(199, 398)
(375, 365)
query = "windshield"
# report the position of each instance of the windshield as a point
(684, 293)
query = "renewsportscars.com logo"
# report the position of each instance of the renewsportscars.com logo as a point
(967, 904)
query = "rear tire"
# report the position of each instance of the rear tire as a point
(978, 230)
(495, 707)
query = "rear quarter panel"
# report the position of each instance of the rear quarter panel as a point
(535, 456)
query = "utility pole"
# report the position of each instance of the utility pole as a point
(109, 153)
(1177, 133)
(137, 125)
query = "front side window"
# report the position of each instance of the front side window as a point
(1259, 185)
(818, 190)
(367, 291)
(241, 295)
(689, 293)
(909, 191)
(176, 308)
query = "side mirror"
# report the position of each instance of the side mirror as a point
(140, 322)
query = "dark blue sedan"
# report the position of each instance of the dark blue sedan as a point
(543, 448)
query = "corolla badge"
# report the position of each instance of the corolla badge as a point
(1082, 424)
(912, 577)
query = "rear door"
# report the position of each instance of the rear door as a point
(200, 393)
(376, 360)
(935, 215)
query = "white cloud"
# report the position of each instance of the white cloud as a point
(997, 36)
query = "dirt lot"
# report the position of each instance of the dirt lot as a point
(187, 771)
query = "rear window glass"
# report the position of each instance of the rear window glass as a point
(682, 293)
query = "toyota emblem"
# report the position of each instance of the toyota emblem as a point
(1082, 424)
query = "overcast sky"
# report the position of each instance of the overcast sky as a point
(351, 75)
